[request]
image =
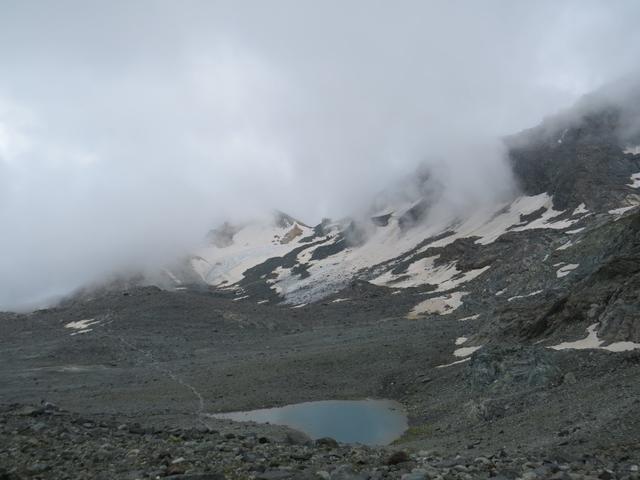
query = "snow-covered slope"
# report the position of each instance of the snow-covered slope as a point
(282, 259)
(412, 240)
(234, 250)
(386, 246)
(556, 255)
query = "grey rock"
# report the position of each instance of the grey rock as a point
(327, 442)
(39, 426)
(346, 472)
(569, 378)
(295, 437)
(29, 411)
(415, 475)
(559, 476)
(607, 475)
(275, 475)
(397, 457)
(38, 468)
(199, 476)
(499, 368)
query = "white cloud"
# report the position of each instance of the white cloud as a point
(127, 129)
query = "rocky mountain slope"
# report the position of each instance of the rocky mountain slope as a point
(564, 241)
(508, 333)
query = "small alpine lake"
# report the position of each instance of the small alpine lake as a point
(369, 422)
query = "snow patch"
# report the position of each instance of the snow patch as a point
(566, 270)
(82, 324)
(580, 210)
(591, 341)
(438, 305)
(454, 363)
(635, 180)
(338, 300)
(460, 278)
(633, 150)
(80, 332)
(423, 271)
(471, 317)
(465, 351)
(565, 246)
(621, 210)
(537, 292)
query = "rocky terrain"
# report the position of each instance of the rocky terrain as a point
(44, 442)
(509, 334)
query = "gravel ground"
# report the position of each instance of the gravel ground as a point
(166, 359)
(44, 442)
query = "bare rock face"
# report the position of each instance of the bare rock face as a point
(283, 220)
(414, 215)
(606, 294)
(508, 367)
(579, 156)
(381, 220)
(619, 320)
(295, 232)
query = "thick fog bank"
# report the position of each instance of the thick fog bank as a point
(129, 129)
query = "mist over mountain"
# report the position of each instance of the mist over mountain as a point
(129, 130)
(319, 240)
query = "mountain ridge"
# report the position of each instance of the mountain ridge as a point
(577, 178)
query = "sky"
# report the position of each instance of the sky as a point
(130, 128)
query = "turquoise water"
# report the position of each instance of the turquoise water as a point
(369, 422)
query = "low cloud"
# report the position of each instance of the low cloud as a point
(128, 129)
